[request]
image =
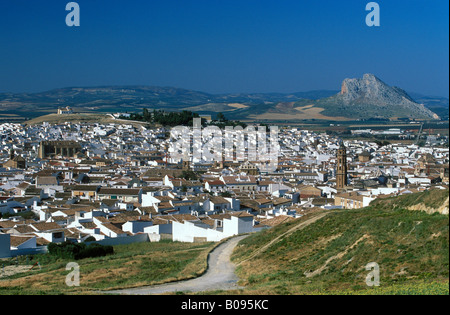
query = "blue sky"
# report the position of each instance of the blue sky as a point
(223, 46)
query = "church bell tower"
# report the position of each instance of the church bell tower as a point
(341, 171)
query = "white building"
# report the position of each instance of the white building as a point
(137, 226)
(197, 231)
(65, 110)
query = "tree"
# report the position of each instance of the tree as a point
(225, 194)
(189, 175)
(221, 117)
(146, 115)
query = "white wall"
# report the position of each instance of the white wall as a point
(5, 246)
(235, 203)
(367, 201)
(235, 226)
(159, 229)
(188, 231)
(51, 236)
(148, 200)
(419, 181)
(136, 226)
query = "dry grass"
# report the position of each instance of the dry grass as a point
(330, 255)
(299, 113)
(81, 118)
(131, 266)
(238, 105)
(9, 271)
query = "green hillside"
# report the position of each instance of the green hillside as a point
(327, 252)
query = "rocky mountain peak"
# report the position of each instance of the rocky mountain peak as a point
(368, 86)
(370, 90)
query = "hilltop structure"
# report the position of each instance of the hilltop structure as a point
(65, 110)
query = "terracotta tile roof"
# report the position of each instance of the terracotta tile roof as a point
(216, 183)
(160, 220)
(182, 217)
(88, 225)
(218, 200)
(45, 226)
(84, 188)
(241, 214)
(148, 210)
(7, 224)
(40, 241)
(119, 191)
(18, 240)
(113, 228)
(220, 216)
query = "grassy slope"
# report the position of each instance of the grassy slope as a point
(411, 248)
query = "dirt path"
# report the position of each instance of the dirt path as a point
(8, 271)
(219, 276)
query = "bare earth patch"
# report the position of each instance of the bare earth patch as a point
(238, 105)
(300, 113)
(9, 271)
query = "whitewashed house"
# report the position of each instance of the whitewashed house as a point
(220, 204)
(159, 229)
(50, 231)
(136, 226)
(107, 228)
(199, 231)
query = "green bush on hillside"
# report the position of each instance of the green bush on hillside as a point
(69, 250)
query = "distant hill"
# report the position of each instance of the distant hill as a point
(364, 98)
(371, 97)
(437, 104)
(358, 99)
(329, 254)
(134, 98)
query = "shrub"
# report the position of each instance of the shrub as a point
(90, 239)
(68, 250)
(94, 250)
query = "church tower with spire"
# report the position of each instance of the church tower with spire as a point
(341, 167)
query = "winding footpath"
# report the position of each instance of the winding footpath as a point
(219, 276)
